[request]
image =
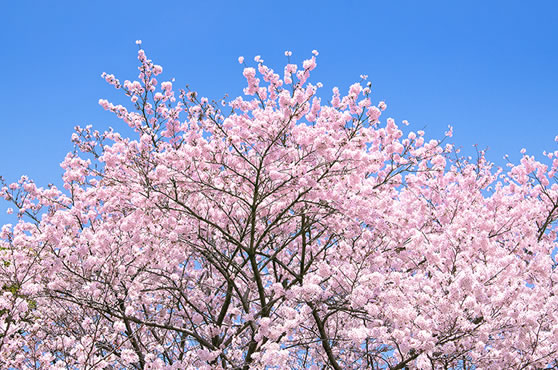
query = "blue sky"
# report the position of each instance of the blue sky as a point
(488, 68)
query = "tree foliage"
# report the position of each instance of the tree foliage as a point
(277, 230)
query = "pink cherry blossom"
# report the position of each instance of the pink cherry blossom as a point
(280, 229)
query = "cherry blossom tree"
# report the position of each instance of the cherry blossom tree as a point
(277, 230)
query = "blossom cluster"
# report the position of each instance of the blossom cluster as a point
(287, 229)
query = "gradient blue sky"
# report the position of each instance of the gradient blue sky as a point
(488, 68)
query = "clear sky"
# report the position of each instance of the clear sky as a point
(488, 68)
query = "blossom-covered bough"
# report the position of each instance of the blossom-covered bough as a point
(276, 231)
